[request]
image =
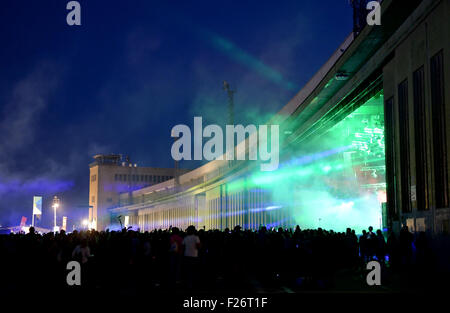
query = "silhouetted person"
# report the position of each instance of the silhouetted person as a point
(363, 245)
(371, 244)
(351, 248)
(380, 247)
(175, 255)
(405, 246)
(191, 245)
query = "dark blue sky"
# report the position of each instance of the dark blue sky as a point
(134, 69)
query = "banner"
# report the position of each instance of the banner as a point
(23, 221)
(37, 206)
(64, 225)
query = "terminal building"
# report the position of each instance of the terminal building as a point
(363, 143)
(111, 175)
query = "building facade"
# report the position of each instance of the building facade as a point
(364, 143)
(416, 83)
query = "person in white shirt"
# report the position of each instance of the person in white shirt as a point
(191, 244)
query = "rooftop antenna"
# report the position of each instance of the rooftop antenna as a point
(175, 170)
(226, 87)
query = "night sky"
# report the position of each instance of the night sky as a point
(134, 69)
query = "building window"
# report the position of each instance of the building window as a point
(420, 140)
(93, 178)
(405, 177)
(93, 199)
(439, 129)
(116, 177)
(390, 158)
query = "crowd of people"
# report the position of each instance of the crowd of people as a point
(174, 259)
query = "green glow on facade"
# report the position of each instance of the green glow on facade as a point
(344, 189)
(341, 189)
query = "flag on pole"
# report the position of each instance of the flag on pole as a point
(37, 206)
